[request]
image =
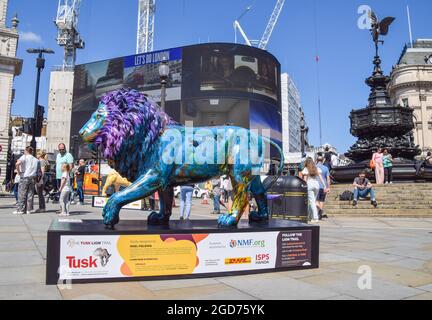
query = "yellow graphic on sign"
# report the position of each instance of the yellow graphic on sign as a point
(149, 255)
(238, 260)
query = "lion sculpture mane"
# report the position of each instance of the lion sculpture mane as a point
(134, 134)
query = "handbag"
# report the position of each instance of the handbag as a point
(372, 164)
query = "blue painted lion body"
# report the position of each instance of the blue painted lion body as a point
(150, 149)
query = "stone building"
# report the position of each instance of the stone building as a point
(291, 115)
(10, 67)
(411, 86)
(59, 108)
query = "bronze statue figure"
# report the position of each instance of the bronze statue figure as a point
(379, 27)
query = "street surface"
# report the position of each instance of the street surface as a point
(396, 252)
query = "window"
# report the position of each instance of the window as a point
(405, 102)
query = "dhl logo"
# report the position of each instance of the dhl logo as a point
(238, 260)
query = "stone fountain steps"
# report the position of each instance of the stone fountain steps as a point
(379, 212)
(410, 199)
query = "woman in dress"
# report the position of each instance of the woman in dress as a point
(377, 159)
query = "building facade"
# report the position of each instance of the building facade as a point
(59, 109)
(212, 84)
(10, 67)
(291, 115)
(20, 139)
(411, 86)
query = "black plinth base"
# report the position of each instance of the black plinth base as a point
(84, 251)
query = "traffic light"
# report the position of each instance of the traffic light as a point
(27, 125)
(39, 121)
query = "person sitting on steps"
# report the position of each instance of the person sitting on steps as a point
(362, 188)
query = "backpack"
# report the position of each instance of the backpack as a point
(346, 196)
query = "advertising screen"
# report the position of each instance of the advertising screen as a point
(230, 70)
(142, 73)
(91, 81)
(215, 112)
(209, 84)
(264, 116)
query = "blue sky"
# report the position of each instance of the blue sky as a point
(109, 30)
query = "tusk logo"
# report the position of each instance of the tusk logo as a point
(103, 255)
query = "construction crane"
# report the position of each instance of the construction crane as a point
(145, 32)
(262, 44)
(68, 35)
(238, 27)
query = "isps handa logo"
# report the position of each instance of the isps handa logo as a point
(100, 257)
(247, 243)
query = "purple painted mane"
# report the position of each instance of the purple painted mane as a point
(129, 111)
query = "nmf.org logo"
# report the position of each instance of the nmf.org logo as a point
(246, 243)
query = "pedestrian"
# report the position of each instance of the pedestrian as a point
(388, 167)
(152, 201)
(327, 158)
(228, 188)
(79, 180)
(207, 191)
(62, 157)
(428, 160)
(41, 180)
(27, 169)
(324, 189)
(15, 185)
(311, 174)
(65, 190)
(216, 190)
(334, 160)
(186, 201)
(377, 161)
(363, 188)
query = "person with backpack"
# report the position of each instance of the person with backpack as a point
(363, 188)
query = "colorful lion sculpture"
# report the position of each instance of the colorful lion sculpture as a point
(150, 149)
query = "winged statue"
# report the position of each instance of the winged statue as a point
(379, 27)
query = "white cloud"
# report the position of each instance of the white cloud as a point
(28, 36)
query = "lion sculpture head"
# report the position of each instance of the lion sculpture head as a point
(124, 125)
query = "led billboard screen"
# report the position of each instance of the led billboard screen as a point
(209, 84)
(230, 70)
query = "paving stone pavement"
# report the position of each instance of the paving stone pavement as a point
(397, 251)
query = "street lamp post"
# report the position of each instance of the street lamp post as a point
(40, 65)
(302, 134)
(163, 73)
